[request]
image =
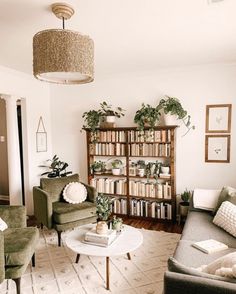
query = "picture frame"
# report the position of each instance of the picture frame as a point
(132, 171)
(217, 148)
(41, 137)
(41, 142)
(218, 118)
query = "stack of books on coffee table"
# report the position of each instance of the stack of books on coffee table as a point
(104, 240)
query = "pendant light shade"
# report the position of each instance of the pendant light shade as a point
(63, 56)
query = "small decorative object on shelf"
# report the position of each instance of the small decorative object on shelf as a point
(165, 169)
(137, 186)
(184, 205)
(98, 167)
(57, 168)
(116, 167)
(173, 111)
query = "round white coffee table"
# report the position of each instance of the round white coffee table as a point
(129, 240)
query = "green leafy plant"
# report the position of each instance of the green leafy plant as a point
(106, 110)
(147, 115)
(103, 204)
(141, 164)
(117, 163)
(116, 221)
(185, 196)
(173, 106)
(98, 166)
(57, 168)
(92, 119)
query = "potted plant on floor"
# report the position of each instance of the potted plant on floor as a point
(147, 116)
(173, 111)
(116, 167)
(184, 204)
(57, 168)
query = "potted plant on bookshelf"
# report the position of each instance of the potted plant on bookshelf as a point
(57, 168)
(141, 167)
(108, 115)
(147, 116)
(116, 167)
(149, 169)
(98, 167)
(103, 207)
(184, 204)
(173, 111)
(91, 120)
(165, 168)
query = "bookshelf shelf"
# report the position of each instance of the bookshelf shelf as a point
(160, 196)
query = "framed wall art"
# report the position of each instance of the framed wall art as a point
(217, 148)
(41, 137)
(218, 118)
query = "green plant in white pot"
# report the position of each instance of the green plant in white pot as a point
(173, 111)
(141, 165)
(184, 204)
(98, 167)
(108, 114)
(116, 167)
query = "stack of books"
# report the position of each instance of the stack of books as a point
(103, 240)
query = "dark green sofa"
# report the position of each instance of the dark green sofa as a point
(53, 212)
(17, 244)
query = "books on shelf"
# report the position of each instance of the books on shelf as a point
(108, 185)
(210, 246)
(91, 237)
(111, 136)
(145, 208)
(107, 149)
(147, 149)
(161, 136)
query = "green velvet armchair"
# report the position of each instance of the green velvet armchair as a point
(52, 211)
(17, 244)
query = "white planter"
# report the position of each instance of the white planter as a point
(116, 171)
(170, 120)
(110, 119)
(141, 172)
(165, 170)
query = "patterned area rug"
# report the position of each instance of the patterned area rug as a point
(57, 272)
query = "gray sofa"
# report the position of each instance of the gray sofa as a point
(182, 277)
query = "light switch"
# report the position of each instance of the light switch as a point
(2, 139)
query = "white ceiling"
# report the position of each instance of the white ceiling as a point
(129, 35)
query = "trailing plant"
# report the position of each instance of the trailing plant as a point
(57, 168)
(106, 110)
(185, 196)
(103, 204)
(173, 106)
(147, 115)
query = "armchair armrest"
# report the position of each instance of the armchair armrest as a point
(92, 192)
(2, 259)
(14, 216)
(42, 207)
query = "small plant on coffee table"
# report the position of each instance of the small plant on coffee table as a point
(103, 204)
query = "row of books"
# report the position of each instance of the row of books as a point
(150, 136)
(140, 188)
(111, 136)
(119, 206)
(110, 186)
(145, 149)
(107, 149)
(146, 208)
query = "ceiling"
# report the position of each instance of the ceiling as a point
(129, 35)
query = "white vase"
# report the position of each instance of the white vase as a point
(170, 120)
(141, 172)
(116, 171)
(165, 170)
(110, 118)
(102, 228)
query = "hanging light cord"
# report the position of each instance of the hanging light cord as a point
(63, 23)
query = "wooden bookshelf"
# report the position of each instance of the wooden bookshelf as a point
(128, 145)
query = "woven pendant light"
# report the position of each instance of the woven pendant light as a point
(63, 56)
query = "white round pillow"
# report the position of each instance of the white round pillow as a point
(75, 193)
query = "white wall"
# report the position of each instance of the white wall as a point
(36, 100)
(195, 86)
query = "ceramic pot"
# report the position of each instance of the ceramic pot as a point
(170, 120)
(183, 208)
(116, 171)
(165, 170)
(102, 228)
(141, 172)
(110, 119)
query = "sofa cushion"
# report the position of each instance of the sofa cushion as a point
(19, 245)
(55, 186)
(3, 225)
(226, 217)
(224, 196)
(199, 227)
(205, 199)
(177, 267)
(64, 212)
(75, 193)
